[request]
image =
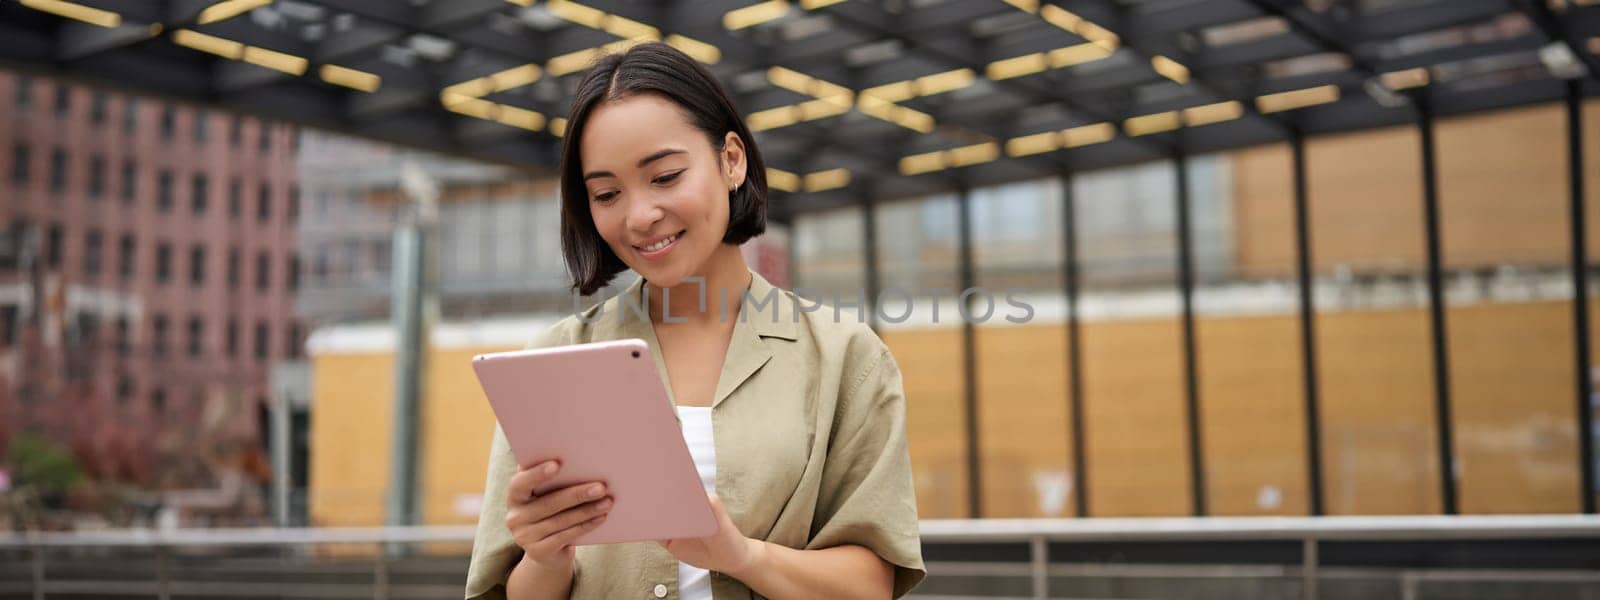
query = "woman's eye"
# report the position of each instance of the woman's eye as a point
(669, 177)
(605, 196)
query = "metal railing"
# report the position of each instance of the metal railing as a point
(1036, 534)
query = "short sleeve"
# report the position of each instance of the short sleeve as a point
(494, 552)
(866, 497)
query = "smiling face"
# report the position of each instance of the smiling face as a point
(657, 187)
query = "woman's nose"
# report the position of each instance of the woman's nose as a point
(643, 214)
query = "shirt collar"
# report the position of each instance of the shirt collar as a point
(768, 312)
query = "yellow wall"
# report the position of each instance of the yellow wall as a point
(351, 419)
(1252, 415)
(350, 437)
(1136, 443)
(1512, 395)
(1375, 372)
(1502, 192)
(931, 365)
(1024, 421)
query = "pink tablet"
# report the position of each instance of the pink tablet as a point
(601, 410)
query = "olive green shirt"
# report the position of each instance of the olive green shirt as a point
(809, 421)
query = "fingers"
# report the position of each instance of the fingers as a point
(572, 517)
(567, 497)
(557, 511)
(520, 489)
(559, 541)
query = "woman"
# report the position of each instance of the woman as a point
(795, 420)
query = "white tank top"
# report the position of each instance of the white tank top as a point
(694, 583)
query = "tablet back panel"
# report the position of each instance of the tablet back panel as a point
(600, 409)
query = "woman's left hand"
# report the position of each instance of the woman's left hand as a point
(727, 551)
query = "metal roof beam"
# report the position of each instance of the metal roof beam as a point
(1319, 32)
(964, 52)
(77, 41)
(1148, 48)
(1553, 27)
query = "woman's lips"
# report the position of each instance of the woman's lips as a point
(660, 248)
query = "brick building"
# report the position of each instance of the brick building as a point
(147, 278)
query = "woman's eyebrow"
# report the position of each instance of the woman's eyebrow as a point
(654, 156)
(658, 155)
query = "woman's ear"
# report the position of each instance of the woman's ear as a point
(733, 160)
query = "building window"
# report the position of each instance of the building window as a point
(20, 159)
(163, 262)
(8, 325)
(236, 131)
(130, 116)
(197, 331)
(124, 391)
(158, 336)
(263, 272)
(293, 279)
(263, 342)
(24, 93)
(63, 99)
(197, 265)
(266, 138)
(322, 267)
(294, 348)
(97, 177)
(91, 253)
(58, 170)
(158, 402)
(127, 254)
(264, 203)
(121, 344)
(14, 235)
(294, 202)
(130, 181)
(169, 119)
(97, 108)
(53, 249)
(200, 197)
(233, 268)
(85, 332)
(231, 343)
(235, 198)
(164, 191)
(200, 119)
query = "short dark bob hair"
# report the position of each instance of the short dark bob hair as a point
(660, 69)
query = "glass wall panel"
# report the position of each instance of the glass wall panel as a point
(1022, 375)
(1503, 216)
(829, 252)
(918, 254)
(1247, 333)
(1133, 392)
(1373, 344)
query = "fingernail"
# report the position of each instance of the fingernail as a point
(550, 468)
(596, 490)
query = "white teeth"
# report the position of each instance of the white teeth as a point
(661, 244)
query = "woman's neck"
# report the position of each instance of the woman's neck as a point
(726, 277)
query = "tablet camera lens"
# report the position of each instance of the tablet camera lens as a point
(636, 354)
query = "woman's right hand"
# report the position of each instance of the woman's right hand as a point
(545, 526)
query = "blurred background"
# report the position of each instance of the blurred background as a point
(1312, 280)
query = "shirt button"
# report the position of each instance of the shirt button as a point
(661, 590)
